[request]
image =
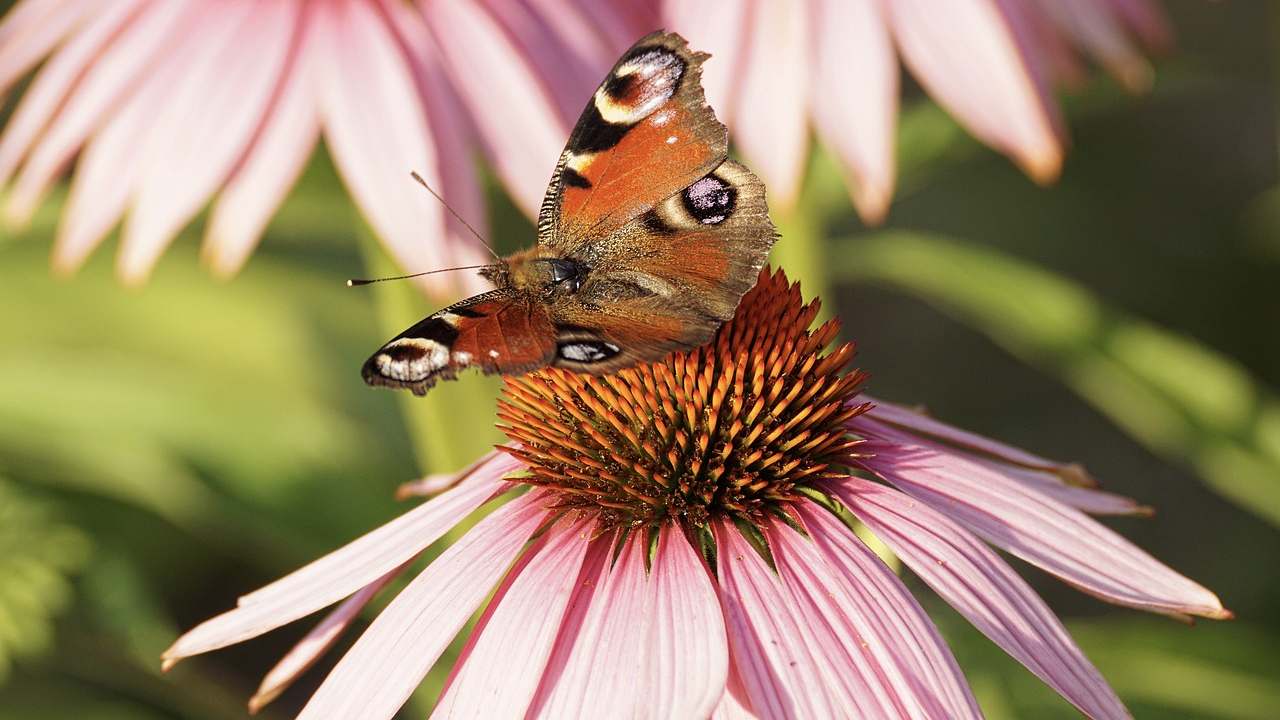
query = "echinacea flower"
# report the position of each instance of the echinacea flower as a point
(992, 65)
(675, 542)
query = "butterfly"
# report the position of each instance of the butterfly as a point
(648, 237)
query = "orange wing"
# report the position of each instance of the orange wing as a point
(646, 134)
(499, 331)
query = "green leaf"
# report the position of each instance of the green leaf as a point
(1176, 396)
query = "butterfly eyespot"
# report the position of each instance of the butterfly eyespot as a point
(710, 200)
(586, 351)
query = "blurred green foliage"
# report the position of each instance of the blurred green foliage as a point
(170, 448)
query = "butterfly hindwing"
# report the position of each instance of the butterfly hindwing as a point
(499, 331)
(646, 134)
(670, 277)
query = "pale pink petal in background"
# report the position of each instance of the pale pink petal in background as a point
(498, 672)
(205, 124)
(1147, 21)
(983, 588)
(966, 56)
(875, 616)
(389, 660)
(619, 22)
(336, 575)
(1052, 536)
(50, 86)
(317, 642)
(265, 174)
(455, 141)
(771, 641)
(376, 131)
(771, 125)
(106, 91)
(722, 30)
(497, 84)
(1098, 29)
(33, 28)
(599, 658)
(854, 97)
(688, 662)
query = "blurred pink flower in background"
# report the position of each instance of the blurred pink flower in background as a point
(784, 64)
(172, 103)
(676, 555)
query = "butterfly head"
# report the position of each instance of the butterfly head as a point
(536, 273)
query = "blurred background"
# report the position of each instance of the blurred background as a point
(166, 448)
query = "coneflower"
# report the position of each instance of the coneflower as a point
(676, 542)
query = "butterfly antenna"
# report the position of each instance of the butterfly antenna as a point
(357, 282)
(455, 214)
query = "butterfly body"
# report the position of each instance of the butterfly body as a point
(647, 239)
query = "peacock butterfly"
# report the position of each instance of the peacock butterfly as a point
(647, 239)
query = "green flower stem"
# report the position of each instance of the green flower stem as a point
(454, 424)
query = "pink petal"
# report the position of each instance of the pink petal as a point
(206, 124)
(122, 71)
(50, 86)
(771, 642)
(454, 141)
(499, 670)
(390, 659)
(378, 132)
(733, 703)
(276, 158)
(1094, 25)
(336, 575)
(722, 29)
(688, 661)
(770, 123)
(31, 30)
(967, 56)
(317, 642)
(872, 610)
(620, 23)
(1147, 20)
(917, 423)
(982, 587)
(495, 80)
(1048, 534)
(855, 97)
(609, 646)
(1094, 502)
(495, 464)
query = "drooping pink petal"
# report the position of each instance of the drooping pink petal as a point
(772, 642)
(336, 575)
(207, 122)
(1046, 533)
(966, 54)
(917, 423)
(688, 662)
(317, 642)
(723, 30)
(33, 28)
(499, 670)
(1147, 20)
(854, 96)
(127, 66)
(50, 86)
(983, 588)
(733, 703)
(277, 156)
(494, 464)
(390, 659)
(1094, 502)
(455, 143)
(378, 132)
(872, 611)
(500, 82)
(1096, 27)
(770, 123)
(606, 651)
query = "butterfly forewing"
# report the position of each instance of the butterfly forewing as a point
(499, 331)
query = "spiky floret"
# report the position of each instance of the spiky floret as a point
(734, 428)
